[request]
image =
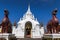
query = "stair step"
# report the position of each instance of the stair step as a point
(29, 39)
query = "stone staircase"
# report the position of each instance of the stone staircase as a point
(29, 39)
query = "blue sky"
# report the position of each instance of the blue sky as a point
(41, 9)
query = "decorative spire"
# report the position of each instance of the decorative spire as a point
(53, 23)
(41, 24)
(6, 12)
(15, 23)
(54, 15)
(28, 7)
(28, 14)
(36, 19)
(54, 11)
(28, 11)
(6, 24)
(6, 19)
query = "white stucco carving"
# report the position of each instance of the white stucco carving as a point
(36, 31)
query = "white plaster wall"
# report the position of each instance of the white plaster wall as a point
(36, 32)
(13, 29)
(20, 30)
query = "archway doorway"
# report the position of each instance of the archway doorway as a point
(28, 27)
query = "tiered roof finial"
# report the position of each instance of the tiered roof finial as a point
(54, 11)
(29, 7)
(6, 12)
(28, 11)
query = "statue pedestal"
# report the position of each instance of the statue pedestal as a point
(52, 36)
(6, 36)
